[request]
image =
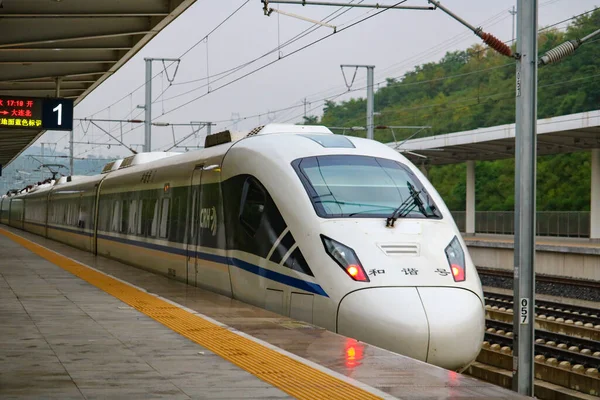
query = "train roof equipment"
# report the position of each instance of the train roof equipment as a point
(228, 136)
(143, 158)
(112, 166)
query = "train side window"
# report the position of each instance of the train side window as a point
(105, 215)
(140, 216)
(297, 262)
(75, 216)
(154, 221)
(86, 210)
(164, 218)
(70, 212)
(173, 224)
(124, 216)
(148, 216)
(253, 205)
(133, 212)
(116, 219)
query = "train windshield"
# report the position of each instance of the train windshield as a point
(361, 186)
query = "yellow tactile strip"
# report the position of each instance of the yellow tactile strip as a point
(289, 375)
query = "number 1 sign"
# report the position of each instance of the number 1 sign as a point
(57, 114)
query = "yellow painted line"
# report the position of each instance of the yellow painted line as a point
(291, 376)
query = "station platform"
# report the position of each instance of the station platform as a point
(76, 326)
(561, 257)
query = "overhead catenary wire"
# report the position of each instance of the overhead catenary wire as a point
(224, 74)
(487, 37)
(469, 73)
(302, 34)
(361, 88)
(130, 94)
(338, 95)
(235, 69)
(417, 58)
(283, 57)
(399, 82)
(446, 43)
(242, 118)
(181, 56)
(131, 120)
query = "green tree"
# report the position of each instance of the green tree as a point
(310, 120)
(474, 88)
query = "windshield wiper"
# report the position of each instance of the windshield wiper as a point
(407, 206)
(368, 211)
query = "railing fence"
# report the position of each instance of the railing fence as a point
(548, 223)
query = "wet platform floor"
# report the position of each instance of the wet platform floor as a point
(61, 337)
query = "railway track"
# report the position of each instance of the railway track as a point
(509, 274)
(567, 348)
(552, 311)
(576, 351)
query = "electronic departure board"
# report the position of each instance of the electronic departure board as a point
(36, 113)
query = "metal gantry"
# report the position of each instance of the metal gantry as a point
(148, 97)
(370, 93)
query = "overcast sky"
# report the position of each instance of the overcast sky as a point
(394, 41)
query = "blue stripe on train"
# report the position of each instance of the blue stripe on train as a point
(241, 264)
(276, 276)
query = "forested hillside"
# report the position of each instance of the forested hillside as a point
(475, 88)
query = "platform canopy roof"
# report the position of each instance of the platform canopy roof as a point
(80, 42)
(563, 134)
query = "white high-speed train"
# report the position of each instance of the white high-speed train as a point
(342, 232)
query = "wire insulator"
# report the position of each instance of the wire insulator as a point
(496, 44)
(559, 52)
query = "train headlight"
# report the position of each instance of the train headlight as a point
(346, 258)
(456, 259)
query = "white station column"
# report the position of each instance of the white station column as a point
(470, 228)
(595, 196)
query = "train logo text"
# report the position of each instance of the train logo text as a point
(208, 219)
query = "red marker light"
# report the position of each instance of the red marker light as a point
(456, 259)
(356, 272)
(458, 273)
(346, 258)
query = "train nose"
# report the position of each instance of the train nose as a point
(442, 326)
(456, 325)
(392, 318)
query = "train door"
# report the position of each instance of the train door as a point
(193, 231)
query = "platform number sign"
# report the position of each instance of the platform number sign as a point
(58, 109)
(57, 114)
(524, 307)
(37, 113)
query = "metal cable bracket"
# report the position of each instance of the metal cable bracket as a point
(349, 86)
(170, 80)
